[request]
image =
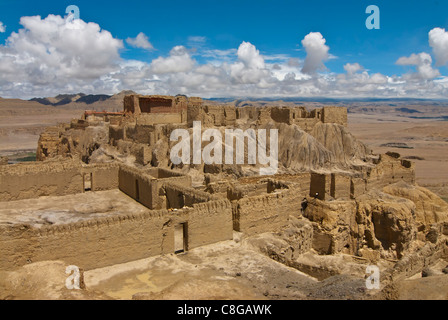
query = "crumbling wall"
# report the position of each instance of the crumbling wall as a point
(156, 104)
(138, 186)
(211, 116)
(390, 170)
(143, 187)
(116, 239)
(340, 186)
(319, 185)
(33, 180)
(247, 113)
(131, 104)
(265, 213)
(306, 125)
(161, 173)
(333, 223)
(141, 133)
(281, 115)
(116, 133)
(178, 196)
(48, 144)
(104, 176)
(415, 262)
(159, 118)
(238, 191)
(89, 244)
(337, 186)
(336, 115)
(358, 187)
(209, 222)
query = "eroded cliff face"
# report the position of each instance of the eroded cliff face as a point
(390, 223)
(345, 148)
(331, 148)
(429, 208)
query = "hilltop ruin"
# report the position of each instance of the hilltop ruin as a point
(357, 203)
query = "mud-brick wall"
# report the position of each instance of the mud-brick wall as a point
(178, 196)
(141, 134)
(266, 213)
(89, 244)
(320, 185)
(337, 186)
(116, 133)
(390, 170)
(104, 176)
(281, 115)
(307, 124)
(358, 187)
(248, 112)
(131, 105)
(334, 115)
(137, 185)
(159, 118)
(340, 186)
(334, 223)
(32, 180)
(209, 223)
(165, 177)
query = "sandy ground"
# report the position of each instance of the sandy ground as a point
(225, 270)
(427, 139)
(21, 123)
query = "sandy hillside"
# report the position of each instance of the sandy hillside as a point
(21, 123)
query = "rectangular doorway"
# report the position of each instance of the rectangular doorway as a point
(181, 238)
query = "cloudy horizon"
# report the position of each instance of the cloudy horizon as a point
(53, 55)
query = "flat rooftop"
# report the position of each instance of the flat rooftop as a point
(60, 210)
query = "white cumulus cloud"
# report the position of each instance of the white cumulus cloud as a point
(141, 41)
(250, 67)
(438, 40)
(2, 27)
(352, 68)
(423, 62)
(179, 60)
(50, 54)
(316, 52)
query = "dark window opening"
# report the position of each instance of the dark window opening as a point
(137, 191)
(181, 238)
(87, 180)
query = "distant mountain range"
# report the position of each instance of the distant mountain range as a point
(64, 99)
(404, 107)
(81, 98)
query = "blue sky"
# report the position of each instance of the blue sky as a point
(248, 46)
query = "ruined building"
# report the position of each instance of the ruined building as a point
(132, 202)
